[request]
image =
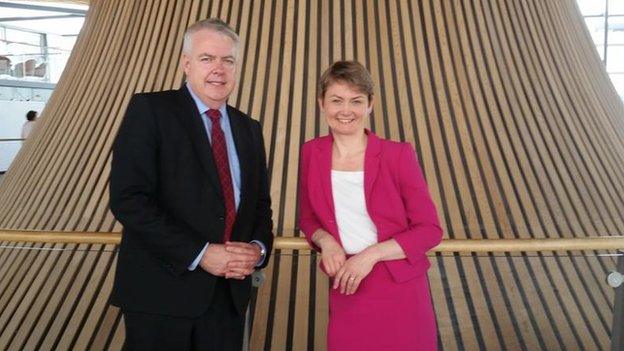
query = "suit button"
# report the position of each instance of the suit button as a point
(222, 218)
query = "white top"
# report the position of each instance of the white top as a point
(355, 227)
(27, 128)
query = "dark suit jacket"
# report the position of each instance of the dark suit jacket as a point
(165, 191)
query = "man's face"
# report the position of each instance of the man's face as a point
(210, 67)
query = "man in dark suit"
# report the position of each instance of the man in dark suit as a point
(189, 184)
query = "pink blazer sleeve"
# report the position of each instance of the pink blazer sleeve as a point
(423, 232)
(308, 222)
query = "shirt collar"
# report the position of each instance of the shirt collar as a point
(201, 107)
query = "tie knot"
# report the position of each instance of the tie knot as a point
(213, 114)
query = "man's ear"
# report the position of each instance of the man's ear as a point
(185, 61)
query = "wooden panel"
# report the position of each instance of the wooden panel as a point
(516, 125)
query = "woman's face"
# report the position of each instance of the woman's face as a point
(345, 108)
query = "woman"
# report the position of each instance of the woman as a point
(365, 206)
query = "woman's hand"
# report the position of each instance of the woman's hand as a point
(354, 270)
(332, 254)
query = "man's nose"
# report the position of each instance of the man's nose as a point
(218, 66)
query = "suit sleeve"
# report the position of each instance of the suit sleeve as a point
(308, 222)
(263, 225)
(424, 231)
(133, 192)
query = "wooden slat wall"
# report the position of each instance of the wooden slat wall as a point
(517, 127)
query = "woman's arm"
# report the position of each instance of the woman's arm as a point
(405, 251)
(308, 222)
(359, 266)
(333, 255)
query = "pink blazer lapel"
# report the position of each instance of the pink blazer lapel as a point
(323, 158)
(371, 164)
(324, 161)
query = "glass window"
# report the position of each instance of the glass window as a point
(616, 7)
(616, 30)
(23, 37)
(592, 7)
(600, 49)
(595, 14)
(618, 83)
(596, 26)
(615, 63)
(60, 42)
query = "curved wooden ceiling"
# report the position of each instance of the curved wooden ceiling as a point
(518, 129)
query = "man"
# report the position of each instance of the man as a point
(31, 119)
(189, 184)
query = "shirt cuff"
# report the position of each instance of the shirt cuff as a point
(197, 259)
(262, 258)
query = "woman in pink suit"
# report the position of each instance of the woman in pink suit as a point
(365, 206)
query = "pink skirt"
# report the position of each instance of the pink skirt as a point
(382, 315)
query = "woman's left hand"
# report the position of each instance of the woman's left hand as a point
(353, 271)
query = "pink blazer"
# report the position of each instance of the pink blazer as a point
(397, 200)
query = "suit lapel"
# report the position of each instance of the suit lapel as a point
(189, 116)
(371, 166)
(371, 163)
(243, 142)
(324, 160)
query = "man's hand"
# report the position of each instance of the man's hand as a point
(215, 260)
(234, 260)
(246, 256)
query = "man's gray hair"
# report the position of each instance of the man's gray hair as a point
(211, 24)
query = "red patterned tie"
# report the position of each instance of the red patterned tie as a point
(220, 155)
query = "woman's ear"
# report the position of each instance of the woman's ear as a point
(370, 104)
